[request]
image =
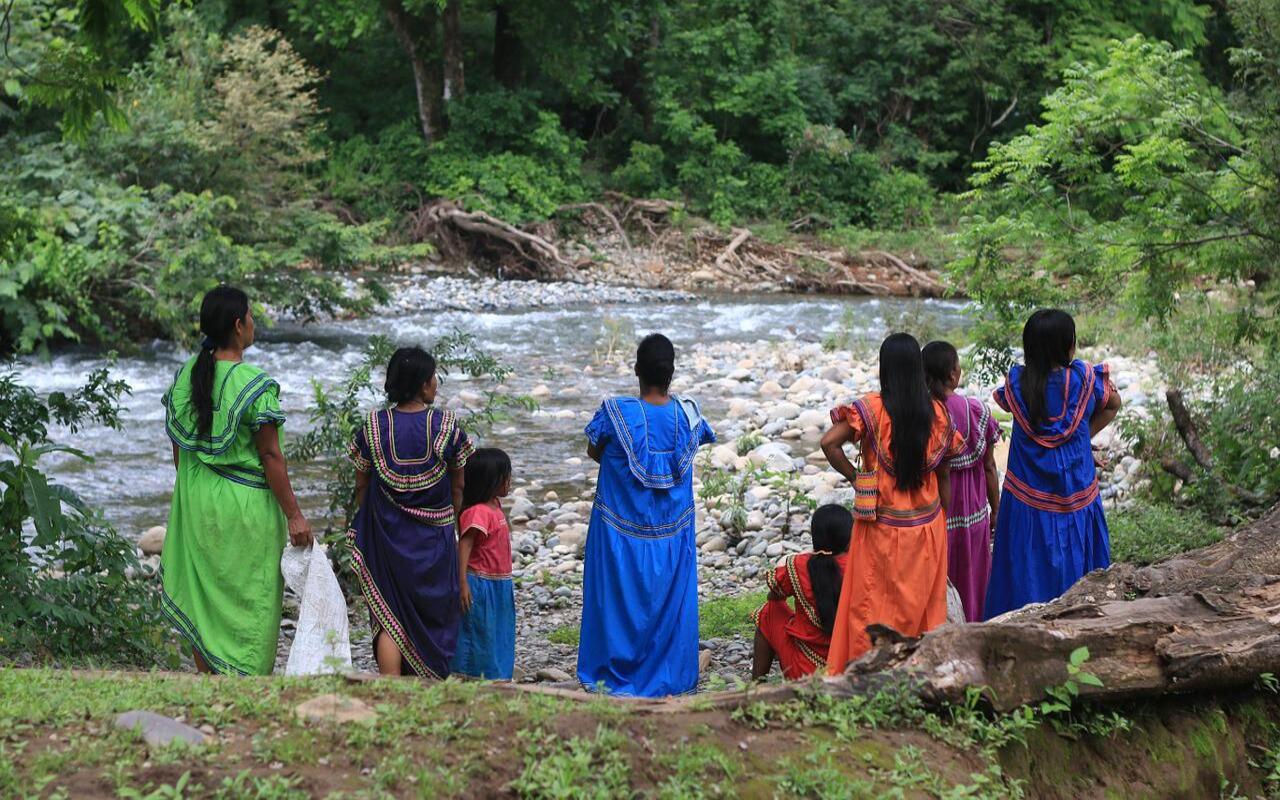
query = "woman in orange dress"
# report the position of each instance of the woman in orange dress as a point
(897, 571)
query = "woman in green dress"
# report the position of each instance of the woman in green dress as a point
(232, 502)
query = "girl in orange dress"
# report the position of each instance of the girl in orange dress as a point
(897, 571)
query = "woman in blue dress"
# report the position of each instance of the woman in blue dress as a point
(640, 589)
(1051, 529)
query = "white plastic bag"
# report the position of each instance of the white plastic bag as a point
(321, 641)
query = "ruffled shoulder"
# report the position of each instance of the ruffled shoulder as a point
(242, 393)
(654, 468)
(1071, 398)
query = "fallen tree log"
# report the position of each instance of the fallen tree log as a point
(533, 254)
(1208, 619)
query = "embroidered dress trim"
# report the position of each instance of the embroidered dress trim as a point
(362, 464)
(397, 481)
(1044, 501)
(955, 523)
(187, 630)
(980, 447)
(909, 518)
(808, 652)
(771, 582)
(651, 480)
(254, 479)
(629, 528)
(489, 576)
(382, 612)
(1010, 403)
(802, 601)
(217, 445)
(431, 516)
(871, 430)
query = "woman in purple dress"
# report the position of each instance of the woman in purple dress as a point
(975, 483)
(409, 460)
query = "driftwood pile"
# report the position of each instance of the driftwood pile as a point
(736, 259)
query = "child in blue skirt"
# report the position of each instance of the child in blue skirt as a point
(487, 636)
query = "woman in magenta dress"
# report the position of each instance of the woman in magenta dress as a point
(975, 483)
(1051, 529)
(409, 478)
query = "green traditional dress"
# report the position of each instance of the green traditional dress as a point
(221, 560)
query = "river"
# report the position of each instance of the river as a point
(563, 348)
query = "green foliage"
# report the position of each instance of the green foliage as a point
(574, 769)
(1145, 533)
(727, 617)
(68, 576)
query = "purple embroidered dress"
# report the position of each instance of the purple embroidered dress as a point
(969, 516)
(403, 540)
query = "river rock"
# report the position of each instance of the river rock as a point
(158, 730)
(716, 544)
(553, 675)
(755, 521)
(540, 392)
(812, 418)
(770, 389)
(724, 456)
(786, 411)
(334, 708)
(151, 542)
(772, 456)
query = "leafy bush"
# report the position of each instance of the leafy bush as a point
(69, 578)
(1145, 533)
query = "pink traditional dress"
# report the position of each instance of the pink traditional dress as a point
(968, 515)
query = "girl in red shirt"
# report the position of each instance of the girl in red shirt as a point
(487, 636)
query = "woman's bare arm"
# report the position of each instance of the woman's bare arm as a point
(175, 454)
(267, 441)
(457, 479)
(944, 484)
(594, 451)
(833, 446)
(465, 544)
(362, 487)
(1105, 415)
(993, 482)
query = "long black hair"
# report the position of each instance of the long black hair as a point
(940, 361)
(1047, 340)
(220, 310)
(906, 397)
(408, 370)
(656, 361)
(832, 526)
(486, 471)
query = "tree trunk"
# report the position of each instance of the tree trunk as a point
(507, 66)
(455, 85)
(1206, 620)
(414, 36)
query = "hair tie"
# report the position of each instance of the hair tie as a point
(207, 344)
(823, 553)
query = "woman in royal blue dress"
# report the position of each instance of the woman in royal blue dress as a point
(409, 478)
(640, 589)
(1051, 529)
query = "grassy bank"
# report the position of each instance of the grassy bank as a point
(473, 740)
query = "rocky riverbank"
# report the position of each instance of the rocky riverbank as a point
(755, 486)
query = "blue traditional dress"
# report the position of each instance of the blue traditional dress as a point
(640, 589)
(1051, 528)
(403, 540)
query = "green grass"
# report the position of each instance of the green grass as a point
(724, 617)
(565, 634)
(721, 618)
(1142, 534)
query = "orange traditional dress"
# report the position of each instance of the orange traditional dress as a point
(796, 636)
(897, 572)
